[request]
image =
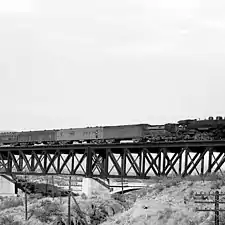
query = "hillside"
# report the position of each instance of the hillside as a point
(170, 203)
(166, 202)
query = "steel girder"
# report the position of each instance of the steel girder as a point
(114, 161)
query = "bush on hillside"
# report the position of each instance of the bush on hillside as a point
(159, 187)
(11, 202)
(46, 211)
(8, 220)
(84, 196)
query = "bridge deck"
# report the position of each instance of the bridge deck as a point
(136, 160)
(115, 147)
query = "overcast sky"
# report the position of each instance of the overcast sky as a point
(84, 63)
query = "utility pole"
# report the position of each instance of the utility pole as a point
(69, 202)
(53, 193)
(216, 203)
(25, 197)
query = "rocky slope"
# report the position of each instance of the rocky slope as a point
(170, 204)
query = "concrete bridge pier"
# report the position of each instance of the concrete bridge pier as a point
(91, 187)
(7, 188)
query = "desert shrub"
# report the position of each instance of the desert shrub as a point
(83, 196)
(169, 182)
(118, 197)
(191, 194)
(212, 177)
(159, 187)
(194, 178)
(222, 217)
(132, 197)
(36, 196)
(216, 184)
(46, 210)
(113, 208)
(190, 184)
(165, 215)
(8, 220)
(11, 202)
(98, 215)
(140, 193)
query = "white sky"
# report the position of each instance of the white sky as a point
(84, 63)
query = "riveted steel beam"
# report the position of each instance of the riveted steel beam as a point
(101, 160)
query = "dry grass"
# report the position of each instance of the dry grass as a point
(9, 220)
(46, 211)
(11, 202)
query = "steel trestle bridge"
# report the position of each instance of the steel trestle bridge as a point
(133, 160)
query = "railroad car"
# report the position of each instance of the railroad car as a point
(125, 132)
(189, 129)
(7, 138)
(160, 132)
(89, 134)
(37, 137)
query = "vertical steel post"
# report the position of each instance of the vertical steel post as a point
(164, 162)
(89, 162)
(45, 161)
(32, 164)
(123, 166)
(9, 162)
(106, 163)
(159, 163)
(186, 162)
(210, 161)
(180, 162)
(202, 165)
(20, 162)
(143, 163)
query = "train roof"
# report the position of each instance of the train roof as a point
(185, 121)
(129, 125)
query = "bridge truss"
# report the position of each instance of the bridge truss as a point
(140, 161)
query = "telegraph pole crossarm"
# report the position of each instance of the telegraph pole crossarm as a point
(209, 202)
(209, 194)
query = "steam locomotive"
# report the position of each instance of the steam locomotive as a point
(209, 129)
(189, 129)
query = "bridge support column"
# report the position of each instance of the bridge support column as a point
(7, 188)
(92, 187)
